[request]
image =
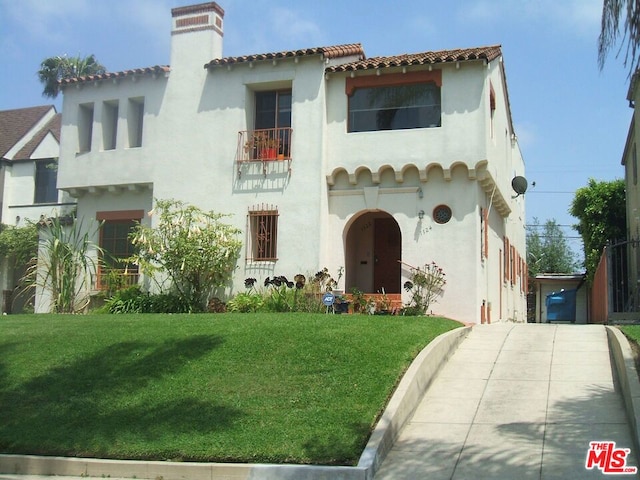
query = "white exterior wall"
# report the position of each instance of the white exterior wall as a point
(18, 207)
(122, 165)
(225, 108)
(190, 137)
(461, 144)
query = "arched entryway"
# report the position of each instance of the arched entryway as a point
(373, 251)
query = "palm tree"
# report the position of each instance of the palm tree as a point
(617, 14)
(54, 69)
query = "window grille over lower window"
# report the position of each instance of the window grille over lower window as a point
(262, 233)
(114, 271)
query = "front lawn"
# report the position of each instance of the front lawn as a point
(298, 388)
(632, 332)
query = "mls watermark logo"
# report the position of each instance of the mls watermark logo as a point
(609, 459)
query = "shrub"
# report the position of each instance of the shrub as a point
(216, 306)
(195, 249)
(129, 300)
(279, 294)
(65, 264)
(425, 286)
(169, 303)
(134, 300)
(246, 302)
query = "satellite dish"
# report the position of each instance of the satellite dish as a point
(519, 185)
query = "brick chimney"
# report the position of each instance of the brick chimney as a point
(196, 35)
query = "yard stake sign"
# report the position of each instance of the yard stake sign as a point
(328, 299)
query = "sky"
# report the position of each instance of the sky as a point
(571, 118)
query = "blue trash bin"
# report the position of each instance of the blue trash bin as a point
(561, 306)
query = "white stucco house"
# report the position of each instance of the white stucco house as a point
(29, 150)
(323, 156)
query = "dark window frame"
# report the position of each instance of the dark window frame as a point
(111, 243)
(395, 107)
(274, 115)
(45, 182)
(262, 232)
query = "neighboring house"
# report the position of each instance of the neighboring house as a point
(29, 148)
(618, 273)
(324, 158)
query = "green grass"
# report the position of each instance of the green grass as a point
(296, 388)
(632, 332)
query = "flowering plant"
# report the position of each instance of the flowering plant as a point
(426, 284)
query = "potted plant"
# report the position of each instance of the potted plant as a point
(361, 304)
(252, 144)
(383, 307)
(260, 145)
(269, 148)
(341, 304)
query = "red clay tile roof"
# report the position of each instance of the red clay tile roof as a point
(15, 124)
(335, 51)
(157, 69)
(53, 127)
(425, 58)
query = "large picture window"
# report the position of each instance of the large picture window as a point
(395, 107)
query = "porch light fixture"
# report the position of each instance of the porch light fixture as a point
(420, 192)
(421, 214)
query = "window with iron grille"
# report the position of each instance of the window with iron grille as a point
(262, 241)
(117, 246)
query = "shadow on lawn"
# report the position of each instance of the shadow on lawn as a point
(98, 401)
(339, 449)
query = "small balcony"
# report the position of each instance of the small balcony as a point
(116, 278)
(264, 145)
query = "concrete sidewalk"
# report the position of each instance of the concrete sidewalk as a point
(516, 401)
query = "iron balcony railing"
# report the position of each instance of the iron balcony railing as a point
(269, 144)
(116, 278)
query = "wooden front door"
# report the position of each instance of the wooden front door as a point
(387, 250)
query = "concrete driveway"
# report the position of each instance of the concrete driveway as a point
(518, 401)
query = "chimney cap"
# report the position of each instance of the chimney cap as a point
(201, 7)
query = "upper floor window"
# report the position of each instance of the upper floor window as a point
(109, 124)
(135, 119)
(273, 109)
(46, 176)
(634, 165)
(492, 106)
(85, 127)
(394, 107)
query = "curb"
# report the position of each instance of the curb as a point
(402, 404)
(625, 367)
